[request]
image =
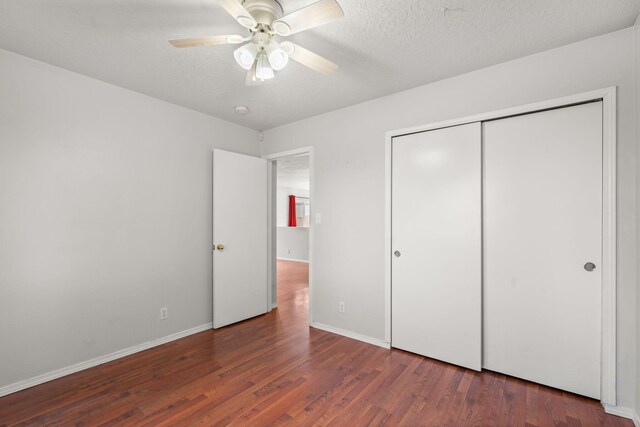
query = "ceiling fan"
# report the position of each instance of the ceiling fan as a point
(264, 19)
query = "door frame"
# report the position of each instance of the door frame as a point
(271, 218)
(609, 199)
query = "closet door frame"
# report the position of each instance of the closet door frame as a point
(609, 139)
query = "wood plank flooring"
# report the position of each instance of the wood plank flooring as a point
(275, 370)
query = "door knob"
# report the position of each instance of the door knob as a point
(220, 247)
(589, 266)
(397, 254)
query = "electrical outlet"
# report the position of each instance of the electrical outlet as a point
(341, 307)
(164, 313)
(289, 251)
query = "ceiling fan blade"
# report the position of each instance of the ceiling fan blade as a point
(252, 80)
(316, 14)
(239, 13)
(308, 58)
(207, 41)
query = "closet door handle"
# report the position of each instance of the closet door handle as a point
(589, 266)
(397, 254)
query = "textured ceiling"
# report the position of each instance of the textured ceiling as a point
(293, 172)
(381, 46)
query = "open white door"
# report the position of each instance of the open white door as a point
(239, 237)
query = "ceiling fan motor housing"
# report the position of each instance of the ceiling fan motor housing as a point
(264, 11)
(261, 37)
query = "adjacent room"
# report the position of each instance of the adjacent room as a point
(293, 218)
(320, 212)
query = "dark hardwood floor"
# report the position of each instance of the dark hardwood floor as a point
(274, 370)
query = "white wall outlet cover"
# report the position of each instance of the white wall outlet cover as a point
(164, 313)
(341, 307)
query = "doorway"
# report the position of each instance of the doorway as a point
(291, 231)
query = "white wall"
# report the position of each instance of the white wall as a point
(292, 242)
(349, 171)
(105, 216)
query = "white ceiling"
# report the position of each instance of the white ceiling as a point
(381, 46)
(293, 172)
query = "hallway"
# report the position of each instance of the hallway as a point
(293, 288)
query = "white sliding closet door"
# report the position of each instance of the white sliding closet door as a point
(542, 228)
(436, 232)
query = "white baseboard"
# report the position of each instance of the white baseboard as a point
(30, 382)
(274, 305)
(349, 334)
(306, 261)
(622, 412)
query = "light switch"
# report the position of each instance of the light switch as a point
(318, 218)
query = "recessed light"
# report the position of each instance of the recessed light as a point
(241, 109)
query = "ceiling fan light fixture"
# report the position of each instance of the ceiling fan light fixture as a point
(287, 47)
(278, 58)
(265, 19)
(246, 55)
(263, 68)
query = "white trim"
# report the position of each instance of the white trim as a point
(352, 335)
(271, 230)
(511, 111)
(387, 238)
(272, 306)
(622, 412)
(608, 96)
(302, 151)
(609, 255)
(289, 153)
(58, 373)
(306, 261)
